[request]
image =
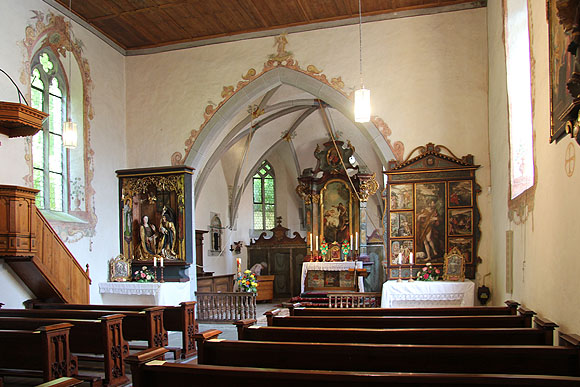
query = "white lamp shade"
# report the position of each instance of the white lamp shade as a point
(69, 134)
(362, 105)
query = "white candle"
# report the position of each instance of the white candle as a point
(411, 258)
(351, 242)
(356, 240)
(154, 261)
(400, 259)
(161, 261)
(317, 243)
(311, 247)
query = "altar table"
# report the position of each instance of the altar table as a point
(427, 294)
(145, 293)
(331, 266)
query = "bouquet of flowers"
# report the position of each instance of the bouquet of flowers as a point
(143, 275)
(429, 273)
(247, 282)
(345, 247)
(324, 248)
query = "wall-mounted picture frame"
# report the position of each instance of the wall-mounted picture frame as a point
(120, 269)
(460, 193)
(454, 266)
(460, 221)
(401, 197)
(464, 245)
(401, 224)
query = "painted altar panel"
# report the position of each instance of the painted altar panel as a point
(336, 209)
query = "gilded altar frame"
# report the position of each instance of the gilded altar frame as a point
(334, 196)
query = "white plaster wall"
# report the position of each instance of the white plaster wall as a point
(107, 140)
(545, 261)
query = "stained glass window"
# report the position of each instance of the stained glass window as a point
(48, 157)
(264, 197)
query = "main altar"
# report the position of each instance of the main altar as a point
(426, 294)
(329, 276)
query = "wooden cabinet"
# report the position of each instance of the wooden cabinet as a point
(216, 283)
(265, 288)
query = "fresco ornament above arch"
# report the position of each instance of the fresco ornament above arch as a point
(285, 59)
(54, 32)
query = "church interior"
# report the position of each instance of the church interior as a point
(186, 145)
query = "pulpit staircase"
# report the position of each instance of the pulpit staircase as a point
(34, 251)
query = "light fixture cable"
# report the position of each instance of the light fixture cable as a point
(360, 43)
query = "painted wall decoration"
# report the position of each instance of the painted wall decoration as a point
(430, 209)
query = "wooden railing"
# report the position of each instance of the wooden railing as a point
(225, 307)
(32, 248)
(354, 300)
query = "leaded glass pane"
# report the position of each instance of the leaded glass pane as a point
(269, 190)
(55, 191)
(46, 63)
(258, 217)
(269, 215)
(257, 190)
(55, 111)
(36, 81)
(38, 176)
(38, 150)
(36, 99)
(54, 88)
(55, 153)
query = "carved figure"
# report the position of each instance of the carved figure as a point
(148, 239)
(167, 235)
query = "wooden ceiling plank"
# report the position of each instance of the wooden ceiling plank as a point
(305, 14)
(137, 11)
(258, 13)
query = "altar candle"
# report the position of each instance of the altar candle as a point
(351, 242)
(400, 259)
(411, 258)
(154, 261)
(311, 247)
(161, 261)
(356, 240)
(317, 243)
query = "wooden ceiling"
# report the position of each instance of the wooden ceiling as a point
(147, 24)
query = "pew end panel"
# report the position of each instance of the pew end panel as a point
(548, 327)
(528, 314)
(242, 325)
(513, 306)
(270, 315)
(202, 337)
(138, 360)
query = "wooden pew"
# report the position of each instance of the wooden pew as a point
(146, 324)
(510, 309)
(542, 334)
(523, 320)
(41, 352)
(100, 336)
(148, 372)
(481, 359)
(175, 318)
(61, 382)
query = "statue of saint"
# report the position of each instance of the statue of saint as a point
(148, 235)
(167, 234)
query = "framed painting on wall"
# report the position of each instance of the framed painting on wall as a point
(401, 197)
(561, 68)
(460, 193)
(464, 245)
(401, 224)
(430, 222)
(403, 246)
(336, 211)
(460, 221)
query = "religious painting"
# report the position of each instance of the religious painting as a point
(347, 279)
(561, 68)
(403, 247)
(454, 266)
(460, 193)
(401, 224)
(332, 157)
(401, 196)
(430, 222)
(332, 279)
(464, 245)
(120, 269)
(334, 252)
(460, 221)
(336, 208)
(314, 279)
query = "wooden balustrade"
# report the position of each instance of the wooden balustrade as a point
(32, 248)
(354, 300)
(225, 307)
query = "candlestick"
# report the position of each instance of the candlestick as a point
(317, 244)
(311, 247)
(161, 268)
(411, 258)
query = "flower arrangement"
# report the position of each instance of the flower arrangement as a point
(324, 248)
(247, 282)
(345, 247)
(429, 273)
(143, 275)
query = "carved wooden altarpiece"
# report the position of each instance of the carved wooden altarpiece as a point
(430, 209)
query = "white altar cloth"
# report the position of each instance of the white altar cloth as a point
(145, 293)
(331, 266)
(427, 294)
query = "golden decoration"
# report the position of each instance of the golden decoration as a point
(227, 91)
(337, 83)
(313, 69)
(368, 188)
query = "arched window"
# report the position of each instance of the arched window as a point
(48, 157)
(264, 197)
